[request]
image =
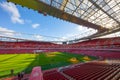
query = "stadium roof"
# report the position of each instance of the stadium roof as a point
(103, 15)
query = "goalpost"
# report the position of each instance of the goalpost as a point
(38, 51)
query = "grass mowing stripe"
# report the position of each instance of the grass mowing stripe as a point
(25, 62)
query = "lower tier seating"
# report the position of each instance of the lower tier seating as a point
(53, 75)
(95, 71)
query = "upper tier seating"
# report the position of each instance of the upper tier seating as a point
(104, 48)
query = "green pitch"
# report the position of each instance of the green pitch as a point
(25, 62)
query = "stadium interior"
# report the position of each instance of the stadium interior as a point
(88, 58)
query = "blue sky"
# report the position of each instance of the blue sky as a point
(14, 18)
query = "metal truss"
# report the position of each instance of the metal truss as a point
(105, 13)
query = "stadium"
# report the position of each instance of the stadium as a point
(32, 51)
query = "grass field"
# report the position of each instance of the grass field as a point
(25, 62)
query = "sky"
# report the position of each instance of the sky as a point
(21, 22)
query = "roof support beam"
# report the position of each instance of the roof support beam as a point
(64, 5)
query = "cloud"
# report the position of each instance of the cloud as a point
(38, 37)
(6, 32)
(35, 25)
(84, 31)
(116, 34)
(80, 33)
(13, 11)
(66, 37)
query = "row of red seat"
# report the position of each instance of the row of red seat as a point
(98, 53)
(86, 47)
(94, 71)
(54, 75)
(25, 44)
(97, 70)
(13, 51)
(100, 42)
(95, 43)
